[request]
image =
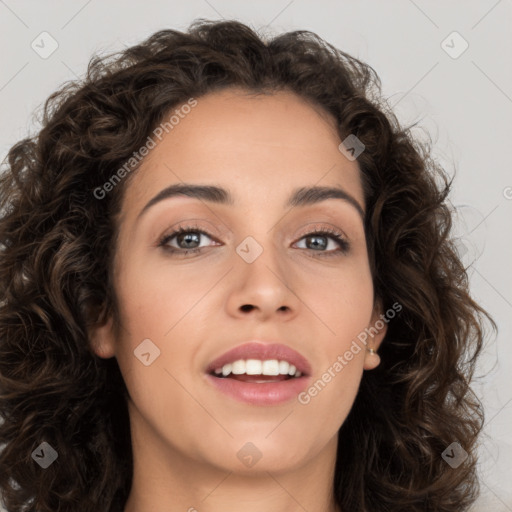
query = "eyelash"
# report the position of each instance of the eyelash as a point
(332, 233)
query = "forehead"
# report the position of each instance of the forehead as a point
(255, 145)
(281, 118)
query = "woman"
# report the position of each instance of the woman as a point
(312, 349)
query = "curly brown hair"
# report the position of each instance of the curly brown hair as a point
(57, 243)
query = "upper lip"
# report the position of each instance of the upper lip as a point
(262, 350)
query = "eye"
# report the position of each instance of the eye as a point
(189, 236)
(318, 236)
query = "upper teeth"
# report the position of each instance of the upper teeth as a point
(258, 367)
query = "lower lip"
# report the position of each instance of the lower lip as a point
(266, 393)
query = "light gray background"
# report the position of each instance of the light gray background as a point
(465, 103)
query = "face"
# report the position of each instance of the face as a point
(259, 274)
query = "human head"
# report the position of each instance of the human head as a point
(59, 252)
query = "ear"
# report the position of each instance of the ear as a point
(371, 357)
(102, 339)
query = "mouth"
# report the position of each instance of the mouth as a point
(260, 374)
(257, 371)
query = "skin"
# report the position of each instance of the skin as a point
(185, 433)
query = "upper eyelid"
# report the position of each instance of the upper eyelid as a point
(314, 226)
(192, 225)
(318, 227)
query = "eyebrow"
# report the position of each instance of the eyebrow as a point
(303, 196)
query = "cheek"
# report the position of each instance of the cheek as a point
(164, 305)
(154, 299)
(344, 307)
(329, 398)
(344, 302)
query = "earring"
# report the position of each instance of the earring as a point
(373, 361)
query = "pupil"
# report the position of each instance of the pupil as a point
(187, 238)
(318, 238)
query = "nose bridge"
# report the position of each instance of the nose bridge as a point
(264, 275)
(259, 251)
(258, 227)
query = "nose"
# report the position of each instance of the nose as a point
(263, 283)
